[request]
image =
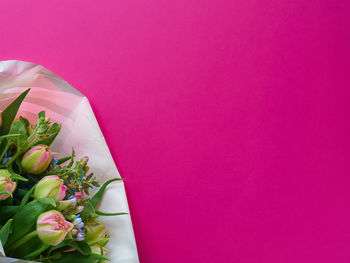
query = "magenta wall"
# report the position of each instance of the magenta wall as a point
(228, 119)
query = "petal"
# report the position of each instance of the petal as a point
(52, 238)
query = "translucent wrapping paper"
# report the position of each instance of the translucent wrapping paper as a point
(66, 105)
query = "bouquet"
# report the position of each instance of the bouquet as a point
(46, 211)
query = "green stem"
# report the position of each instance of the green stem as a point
(31, 139)
(4, 151)
(13, 159)
(8, 136)
(100, 213)
(22, 240)
(37, 260)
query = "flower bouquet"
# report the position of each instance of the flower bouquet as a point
(49, 201)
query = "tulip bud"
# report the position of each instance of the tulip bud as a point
(64, 204)
(95, 234)
(96, 249)
(50, 186)
(52, 228)
(37, 159)
(6, 184)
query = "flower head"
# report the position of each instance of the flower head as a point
(96, 234)
(78, 222)
(52, 228)
(64, 204)
(79, 195)
(99, 250)
(74, 200)
(50, 186)
(80, 236)
(37, 159)
(6, 184)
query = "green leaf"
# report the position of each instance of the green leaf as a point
(9, 114)
(5, 192)
(19, 166)
(20, 192)
(52, 134)
(38, 250)
(89, 177)
(4, 145)
(8, 136)
(101, 242)
(98, 196)
(5, 231)
(25, 219)
(74, 257)
(16, 176)
(64, 243)
(81, 246)
(26, 124)
(26, 197)
(109, 214)
(30, 249)
(88, 212)
(41, 114)
(71, 158)
(63, 160)
(96, 256)
(7, 211)
(8, 201)
(44, 132)
(21, 141)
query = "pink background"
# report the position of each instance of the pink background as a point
(228, 118)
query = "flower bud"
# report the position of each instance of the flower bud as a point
(71, 217)
(52, 228)
(50, 186)
(95, 234)
(37, 159)
(64, 204)
(80, 208)
(73, 199)
(6, 183)
(79, 195)
(80, 236)
(96, 249)
(78, 222)
(85, 160)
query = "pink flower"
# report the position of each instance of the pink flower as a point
(79, 195)
(37, 159)
(52, 228)
(6, 184)
(50, 186)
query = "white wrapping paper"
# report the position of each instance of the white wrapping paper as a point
(80, 130)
